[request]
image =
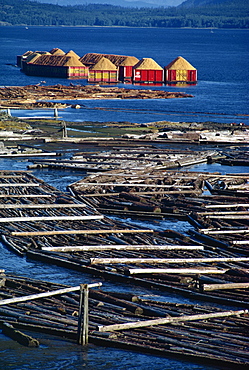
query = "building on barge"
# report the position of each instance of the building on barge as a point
(103, 71)
(64, 66)
(180, 70)
(97, 67)
(124, 63)
(147, 70)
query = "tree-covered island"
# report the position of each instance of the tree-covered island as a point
(192, 13)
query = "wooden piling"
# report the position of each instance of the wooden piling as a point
(82, 336)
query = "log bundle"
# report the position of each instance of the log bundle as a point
(194, 332)
(45, 224)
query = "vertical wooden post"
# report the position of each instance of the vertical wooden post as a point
(55, 112)
(64, 129)
(83, 315)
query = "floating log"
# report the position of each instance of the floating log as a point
(240, 242)
(96, 261)
(208, 214)
(26, 196)
(145, 193)
(227, 205)
(45, 294)
(34, 154)
(50, 218)
(142, 324)
(103, 297)
(211, 287)
(18, 336)
(42, 206)
(130, 247)
(231, 217)
(87, 232)
(144, 185)
(14, 185)
(237, 231)
(207, 270)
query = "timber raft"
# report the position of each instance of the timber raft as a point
(196, 333)
(211, 263)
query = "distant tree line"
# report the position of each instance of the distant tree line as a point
(25, 12)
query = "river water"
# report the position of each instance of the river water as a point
(221, 58)
(221, 95)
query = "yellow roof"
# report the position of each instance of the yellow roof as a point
(129, 61)
(147, 63)
(71, 53)
(57, 51)
(104, 64)
(57, 61)
(180, 63)
(32, 57)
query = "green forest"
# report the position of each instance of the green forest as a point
(231, 14)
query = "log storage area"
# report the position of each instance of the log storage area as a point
(125, 158)
(43, 223)
(198, 333)
(31, 96)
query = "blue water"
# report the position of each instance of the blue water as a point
(221, 59)
(221, 95)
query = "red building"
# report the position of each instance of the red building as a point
(126, 68)
(147, 70)
(123, 63)
(180, 70)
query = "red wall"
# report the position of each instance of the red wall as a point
(125, 72)
(147, 75)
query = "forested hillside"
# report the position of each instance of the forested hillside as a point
(25, 12)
